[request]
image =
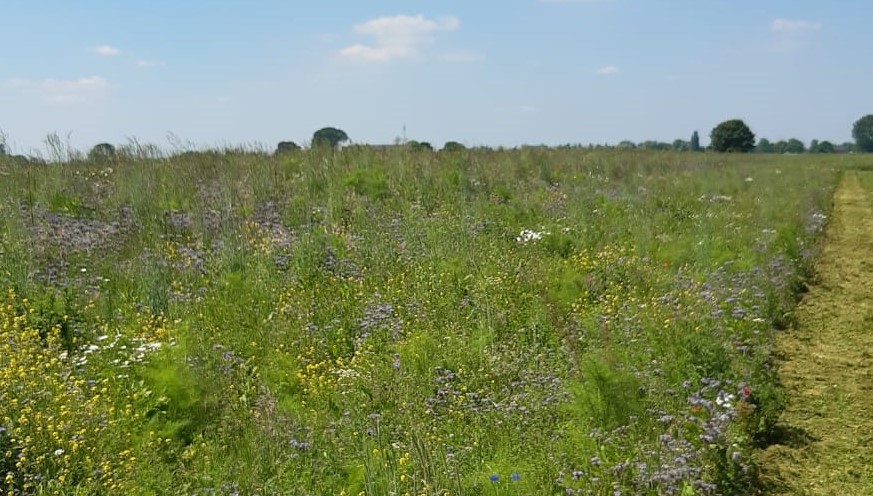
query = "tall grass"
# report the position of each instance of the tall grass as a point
(397, 322)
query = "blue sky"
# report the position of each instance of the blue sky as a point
(481, 72)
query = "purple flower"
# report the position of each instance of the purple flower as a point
(515, 477)
(495, 478)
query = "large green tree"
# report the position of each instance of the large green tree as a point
(329, 137)
(862, 131)
(695, 142)
(732, 136)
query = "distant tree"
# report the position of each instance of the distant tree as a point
(846, 147)
(795, 146)
(286, 146)
(419, 146)
(695, 142)
(453, 146)
(329, 137)
(681, 145)
(825, 147)
(862, 131)
(654, 145)
(780, 146)
(764, 146)
(813, 146)
(102, 152)
(732, 136)
(2, 149)
(626, 145)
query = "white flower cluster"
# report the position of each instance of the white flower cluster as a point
(128, 354)
(527, 236)
(725, 400)
(715, 198)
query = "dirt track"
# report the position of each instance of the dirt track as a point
(825, 443)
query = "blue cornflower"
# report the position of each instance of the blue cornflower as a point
(495, 478)
(515, 477)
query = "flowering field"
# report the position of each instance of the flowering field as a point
(395, 323)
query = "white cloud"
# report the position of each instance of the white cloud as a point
(789, 35)
(396, 37)
(607, 70)
(148, 63)
(794, 26)
(106, 51)
(462, 56)
(61, 91)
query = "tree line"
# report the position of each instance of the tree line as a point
(730, 136)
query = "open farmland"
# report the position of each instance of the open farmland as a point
(388, 323)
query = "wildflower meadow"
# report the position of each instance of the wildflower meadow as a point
(399, 322)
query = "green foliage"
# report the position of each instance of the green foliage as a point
(101, 152)
(393, 322)
(795, 146)
(286, 147)
(607, 396)
(183, 401)
(655, 145)
(420, 146)
(862, 132)
(732, 136)
(370, 182)
(824, 147)
(695, 142)
(61, 202)
(329, 137)
(764, 146)
(453, 146)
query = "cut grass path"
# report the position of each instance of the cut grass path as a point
(825, 443)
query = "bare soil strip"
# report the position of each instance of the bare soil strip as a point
(825, 443)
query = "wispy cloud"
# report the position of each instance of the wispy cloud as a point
(61, 91)
(106, 51)
(462, 56)
(792, 26)
(397, 37)
(148, 63)
(607, 70)
(791, 34)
